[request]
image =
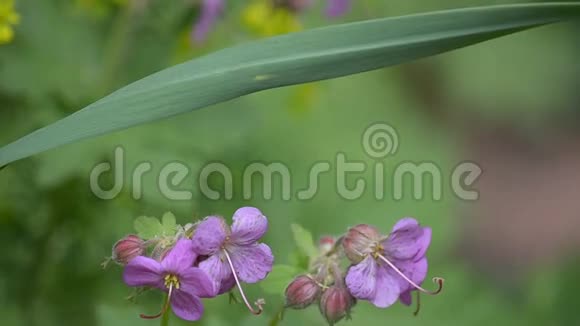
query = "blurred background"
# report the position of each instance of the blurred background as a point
(510, 105)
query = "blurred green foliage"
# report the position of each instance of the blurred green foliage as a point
(54, 232)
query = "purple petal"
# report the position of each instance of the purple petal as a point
(210, 12)
(361, 279)
(253, 262)
(186, 306)
(143, 271)
(210, 235)
(387, 288)
(416, 271)
(197, 282)
(249, 225)
(408, 240)
(217, 269)
(227, 285)
(406, 298)
(180, 258)
(335, 8)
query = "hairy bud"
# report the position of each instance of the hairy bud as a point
(325, 244)
(360, 241)
(128, 248)
(302, 292)
(336, 303)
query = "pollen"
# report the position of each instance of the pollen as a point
(172, 280)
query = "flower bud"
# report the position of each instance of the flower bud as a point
(302, 292)
(336, 303)
(128, 248)
(298, 5)
(325, 244)
(360, 241)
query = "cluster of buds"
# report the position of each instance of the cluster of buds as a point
(324, 284)
(382, 269)
(201, 260)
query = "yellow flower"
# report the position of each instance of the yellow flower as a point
(8, 18)
(263, 18)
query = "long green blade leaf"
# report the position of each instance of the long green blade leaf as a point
(287, 60)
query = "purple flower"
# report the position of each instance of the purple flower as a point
(388, 268)
(335, 8)
(210, 12)
(176, 275)
(234, 255)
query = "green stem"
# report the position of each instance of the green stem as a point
(165, 317)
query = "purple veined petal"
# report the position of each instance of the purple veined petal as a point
(180, 257)
(227, 285)
(252, 262)
(406, 298)
(143, 271)
(197, 282)
(210, 235)
(408, 240)
(361, 279)
(415, 271)
(210, 12)
(335, 8)
(387, 288)
(217, 269)
(249, 225)
(186, 305)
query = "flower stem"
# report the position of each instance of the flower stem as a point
(165, 317)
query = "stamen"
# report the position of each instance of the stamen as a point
(258, 302)
(437, 280)
(165, 306)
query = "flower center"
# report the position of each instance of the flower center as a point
(376, 250)
(172, 280)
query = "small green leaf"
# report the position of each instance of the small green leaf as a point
(279, 278)
(298, 259)
(148, 227)
(303, 239)
(169, 224)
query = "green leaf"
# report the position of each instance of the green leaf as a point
(287, 60)
(303, 239)
(148, 227)
(279, 278)
(169, 224)
(298, 259)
